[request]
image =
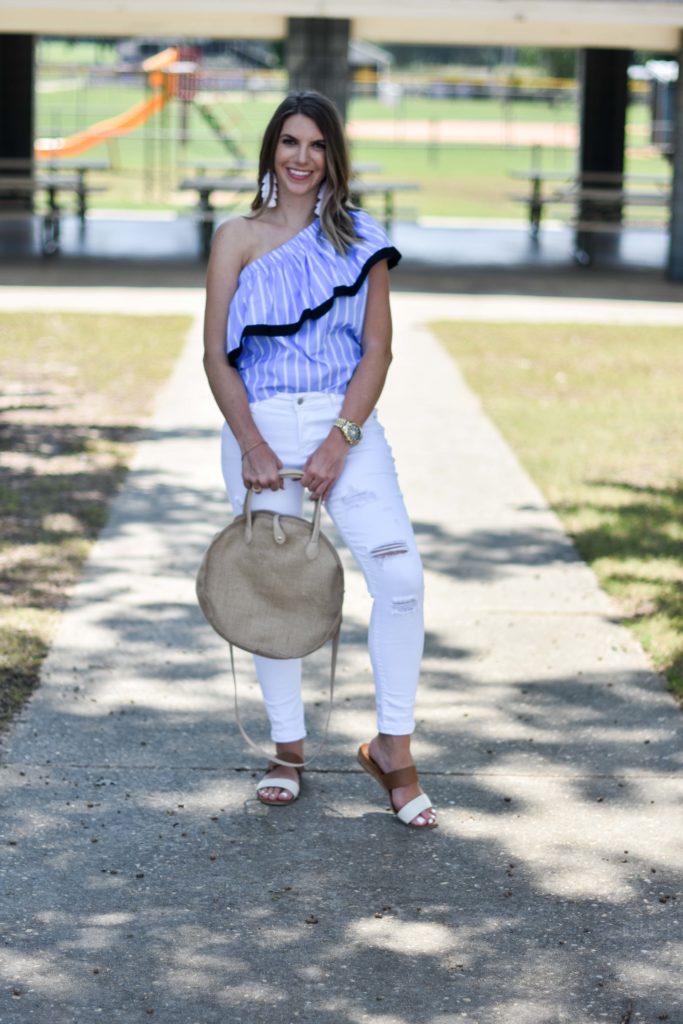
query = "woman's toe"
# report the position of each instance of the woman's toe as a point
(269, 795)
(425, 820)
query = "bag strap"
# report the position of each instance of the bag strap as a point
(265, 753)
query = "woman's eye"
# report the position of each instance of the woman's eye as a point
(319, 145)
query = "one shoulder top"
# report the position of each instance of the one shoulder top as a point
(296, 319)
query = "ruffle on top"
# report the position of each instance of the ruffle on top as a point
(300, 280)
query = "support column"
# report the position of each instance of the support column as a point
(604, 99)
(317, 56)
(16, 112)
(675, 267)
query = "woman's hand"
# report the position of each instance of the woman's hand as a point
(260, 468)
(323, 468)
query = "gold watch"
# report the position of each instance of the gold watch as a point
(351, 431)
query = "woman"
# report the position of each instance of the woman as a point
(300, 291)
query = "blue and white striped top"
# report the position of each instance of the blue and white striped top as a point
(296, 319)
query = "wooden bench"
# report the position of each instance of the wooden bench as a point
(205, 210)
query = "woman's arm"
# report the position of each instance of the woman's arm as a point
(260, 466)
(325, 465)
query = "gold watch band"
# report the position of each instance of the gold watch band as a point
(351, 431)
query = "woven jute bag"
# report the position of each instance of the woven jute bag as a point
(273, 585)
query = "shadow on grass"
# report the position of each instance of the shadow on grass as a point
(54, 493)
(33, 484)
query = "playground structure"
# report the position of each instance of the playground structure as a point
(168, 77)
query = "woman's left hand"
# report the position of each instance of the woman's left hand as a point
(323, 468)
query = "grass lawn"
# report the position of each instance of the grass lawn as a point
(594, 414)
(79, 104)
(76, 389)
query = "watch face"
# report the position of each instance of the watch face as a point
(353, 432)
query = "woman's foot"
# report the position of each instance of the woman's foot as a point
(277, 794)
(391, 753)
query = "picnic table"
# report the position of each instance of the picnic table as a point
(205, 211)
(221, 165)
(234, 186)
(597, 198)
(19, 180)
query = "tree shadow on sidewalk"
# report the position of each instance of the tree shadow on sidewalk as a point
(147, 882)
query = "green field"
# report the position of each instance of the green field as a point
(457, 180)
(593, 412)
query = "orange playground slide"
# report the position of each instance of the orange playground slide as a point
(128, 121)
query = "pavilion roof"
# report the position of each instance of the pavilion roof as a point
(641, 24)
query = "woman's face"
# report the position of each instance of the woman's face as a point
(300, 156)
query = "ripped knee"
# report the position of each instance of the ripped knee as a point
(398, 547)
(400, 571)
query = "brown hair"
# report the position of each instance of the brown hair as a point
(335, 220)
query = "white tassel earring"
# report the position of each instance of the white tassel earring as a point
(266, 189)
(321, 196)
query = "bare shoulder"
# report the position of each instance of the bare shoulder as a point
(231, 242)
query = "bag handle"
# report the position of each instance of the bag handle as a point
(314, 543)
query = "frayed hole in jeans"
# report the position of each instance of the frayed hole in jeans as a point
(398, 547)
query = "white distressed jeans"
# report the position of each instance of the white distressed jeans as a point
(367, 508)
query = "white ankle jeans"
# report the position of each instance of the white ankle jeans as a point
(367, 508)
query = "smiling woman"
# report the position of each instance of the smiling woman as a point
(297, 349)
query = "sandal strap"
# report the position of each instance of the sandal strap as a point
(273, 782)
(400, 777)
(413, 808)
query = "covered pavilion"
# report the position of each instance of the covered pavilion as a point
(317, 34)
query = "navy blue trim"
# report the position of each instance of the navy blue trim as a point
(389, 253)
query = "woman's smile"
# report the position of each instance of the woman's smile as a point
(298, 175)
(300, 158)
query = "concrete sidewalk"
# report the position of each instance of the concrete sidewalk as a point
(141, 880)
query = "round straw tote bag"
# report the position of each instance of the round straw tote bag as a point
(273, 584)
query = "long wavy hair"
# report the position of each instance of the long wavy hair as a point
(335, 220)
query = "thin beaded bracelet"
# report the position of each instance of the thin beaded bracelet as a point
(245, 453)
